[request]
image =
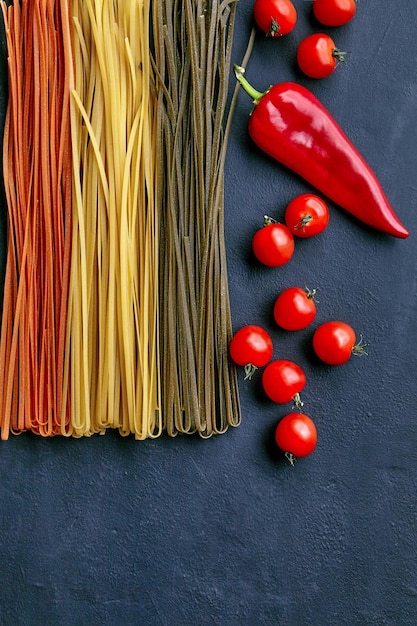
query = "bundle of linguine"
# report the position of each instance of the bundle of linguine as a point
(116, 309)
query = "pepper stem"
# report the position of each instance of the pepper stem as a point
(251, 91)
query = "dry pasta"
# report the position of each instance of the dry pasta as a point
(37, 174)
(116, 310)
(193, 42)
(113, 352)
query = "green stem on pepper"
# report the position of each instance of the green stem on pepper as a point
(251, 91)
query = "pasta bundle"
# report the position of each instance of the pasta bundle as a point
(37, 173)
(116, 310)
(113, 353)
(192, 55)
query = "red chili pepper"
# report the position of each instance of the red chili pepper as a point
(290, 124)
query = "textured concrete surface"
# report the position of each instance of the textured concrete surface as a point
(225, 532)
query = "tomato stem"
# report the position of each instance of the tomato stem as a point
(311, 293)
(298, 403)
(251, 91)
(338, 55)
(269, 220)
(359, 348)
(291, 458)
(250, 369)
(303, 222)
(273, 29)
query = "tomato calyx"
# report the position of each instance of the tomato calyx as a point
(305, 221)
(339, 55)
(298, 403)
(290, 457)
(360, 348)
(249, 370)
(311, 293)
(269, 220)
(273, 29)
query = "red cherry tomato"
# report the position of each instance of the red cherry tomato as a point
(317, 55)
(273, 244)
(296, 435)
(283, 380)
(251, 346)
(334, 12)
(307, 215)
(295, 308)
(334, 342)
(275, 17)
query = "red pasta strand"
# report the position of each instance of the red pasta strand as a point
(37, 172)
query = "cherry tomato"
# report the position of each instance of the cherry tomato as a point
(317, 55)
(334, 342)
(251, 346)
(296, 435)
(295, 308)
(334, 12)
(307, 215)
(273, 244)
(275, 17)
(283, 380)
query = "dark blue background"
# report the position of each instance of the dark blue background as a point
(182, 532)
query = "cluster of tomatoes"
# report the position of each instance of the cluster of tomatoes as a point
(305, 216)
(317, 54)
(333, 341)
(273, 244)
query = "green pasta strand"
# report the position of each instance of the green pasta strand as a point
(192, 46)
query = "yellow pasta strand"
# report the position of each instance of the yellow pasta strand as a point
(113, 355)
